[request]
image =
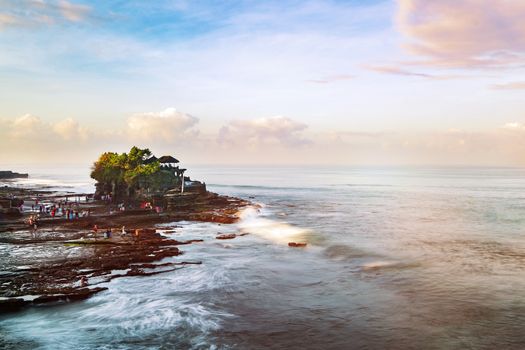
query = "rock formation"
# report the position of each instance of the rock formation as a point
(7, 174)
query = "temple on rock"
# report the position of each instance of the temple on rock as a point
(139, 175)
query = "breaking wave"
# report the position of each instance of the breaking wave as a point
(276, 231)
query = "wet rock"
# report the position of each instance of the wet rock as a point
(226, 236)
(7, 174)
(12, 304)
(59, 279)
(297, 244)
(145, 231)
(78, 294)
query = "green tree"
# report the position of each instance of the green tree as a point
(109, 171)
(123, 174)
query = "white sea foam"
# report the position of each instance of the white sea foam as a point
(276, 231)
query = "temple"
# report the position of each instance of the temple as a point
(141, 176)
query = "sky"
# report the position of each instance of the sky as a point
(401, 82)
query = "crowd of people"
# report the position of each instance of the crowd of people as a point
(71, 210)
(64, 209)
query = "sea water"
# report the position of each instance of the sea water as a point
(397, 258)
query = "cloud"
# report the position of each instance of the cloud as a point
(31, 13)
(401, 71)
(278, 130)
(332, 79)
(464, 33)
(26, 126)
(397, 71)
(495, 147)
(513, 126)
(7, 20)
(73, 12)
(70, 129)
(271, 140)
(30, 139)
(29, 128)
(517, 85)
(168, 125)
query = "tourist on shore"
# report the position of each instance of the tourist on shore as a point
(33, 222)
(83, 281)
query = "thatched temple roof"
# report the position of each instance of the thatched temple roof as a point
(151, 160)
(167, 159)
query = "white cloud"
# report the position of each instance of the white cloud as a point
(168, 125)
(25, 126)
(513, 126)
(28, 128)
(276, 130)
(271, 140)
(70, 129)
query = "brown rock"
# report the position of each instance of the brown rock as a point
(12, 304)
(297, 244)
(227, 236)
(144, 231)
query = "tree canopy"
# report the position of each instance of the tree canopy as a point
(123, 174)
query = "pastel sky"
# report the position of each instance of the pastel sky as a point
(264, 82)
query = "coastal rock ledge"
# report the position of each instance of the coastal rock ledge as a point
(75, 243)
(7, 174)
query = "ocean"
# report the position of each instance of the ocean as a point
(397, 258)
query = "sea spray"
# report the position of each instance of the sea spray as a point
(253, 221)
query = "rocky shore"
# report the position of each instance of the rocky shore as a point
(7, 174)
(66, 260)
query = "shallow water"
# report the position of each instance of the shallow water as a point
(413, 258)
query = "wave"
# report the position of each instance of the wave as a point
(276, 231)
